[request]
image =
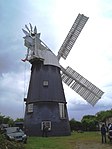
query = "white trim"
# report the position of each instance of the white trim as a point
(62, 110)
(47, 123)
(30, 107)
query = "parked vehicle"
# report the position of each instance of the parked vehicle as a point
(110, 135)
(15, 133)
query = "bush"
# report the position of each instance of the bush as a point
(6, 144)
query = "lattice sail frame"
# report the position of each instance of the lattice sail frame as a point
(82, 86)
(72, 36)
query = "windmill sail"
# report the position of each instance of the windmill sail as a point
(82, 86)
(27, 28)
(72, 36)
(25, 32)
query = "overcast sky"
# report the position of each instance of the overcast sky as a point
(91, 55)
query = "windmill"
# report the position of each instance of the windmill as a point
(46, 103)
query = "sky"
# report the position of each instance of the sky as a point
(91, 55)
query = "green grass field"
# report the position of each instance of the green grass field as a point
(86, 140)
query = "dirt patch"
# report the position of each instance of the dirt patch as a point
(92, 145)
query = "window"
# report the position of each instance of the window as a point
(30, 107)
(46, 123)
(62, 110)
(45, 83)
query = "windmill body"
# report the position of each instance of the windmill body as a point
(46, 102)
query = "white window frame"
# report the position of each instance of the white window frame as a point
(30, 107)
(46, 123)
(62, 110)
(45, 83)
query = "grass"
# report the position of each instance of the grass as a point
(86, 140)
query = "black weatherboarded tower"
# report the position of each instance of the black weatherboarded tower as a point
(45, 102)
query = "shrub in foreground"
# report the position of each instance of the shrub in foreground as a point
(6, 144)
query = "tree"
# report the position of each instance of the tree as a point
(6, 120)
(1, 118)
(103, 115)
(75, 125)
(89, 123)
(72, 124)
(19, 120)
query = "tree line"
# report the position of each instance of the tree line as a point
(8, 120)
(90, 122)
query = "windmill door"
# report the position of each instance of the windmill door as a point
(46, 124)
